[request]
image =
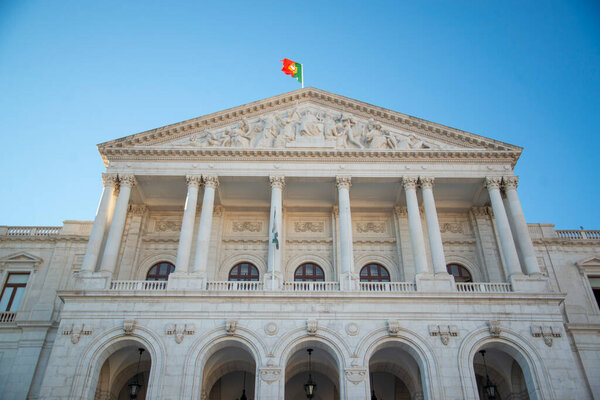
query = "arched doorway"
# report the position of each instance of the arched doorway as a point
(394, 373)
(324, 370)
(126, 366)
(499, 375)
(229, 373)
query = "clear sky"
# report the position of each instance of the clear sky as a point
(77, 73)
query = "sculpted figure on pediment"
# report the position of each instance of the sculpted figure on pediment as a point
(310, 125)
(377, 138)
(291, 120)
(269, 128)
(351, 130)
(239, 135)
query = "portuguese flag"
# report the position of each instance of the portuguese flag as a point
(293, 69)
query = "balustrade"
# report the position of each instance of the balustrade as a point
(138, 285)
(483, 287)
(234, 285)
(311, 286)
(7, 316)
(388, 287)
(581, 234)
(33, 230)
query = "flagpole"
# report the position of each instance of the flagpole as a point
(302, 72)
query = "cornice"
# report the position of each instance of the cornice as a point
(406, 122)
(48, 239)
(567, 242)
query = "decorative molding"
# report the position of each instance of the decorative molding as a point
(180, 331)
(355, 375)
(277, 181)
(128, 326)
(127, 180)
(246, 226)
(76, 331)
(193, 180)
(481, 211)
(343, 182)
(393, 327)
(231, 326)
(494, 328)
(444, 332)
(453, 227)
(352, 329)
(138, 209)
(311, 326)
(271, 328)
(218, 211)
(546, 332)
(110, 180)
(409, 182)
(510, 182)
(493, 182)
(167, 225)
(400, 211)
(211, 181)
(426, 182)
(270, 374)
(309, 226)
(375, 227)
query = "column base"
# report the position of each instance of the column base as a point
(186, 281)
(349, 282)
(92, 281)
(529, 283)
(442, 282)
(273, 281)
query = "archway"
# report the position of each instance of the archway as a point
(498, 371)
(229, 372)
(394, 373)
(120, 369)
(324, 369)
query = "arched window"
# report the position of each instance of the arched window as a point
(160, 271)
(309, 272)
(374, 273)
(243, 272)
(460, 273)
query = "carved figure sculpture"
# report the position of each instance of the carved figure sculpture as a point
(350, 130)
(310, 125)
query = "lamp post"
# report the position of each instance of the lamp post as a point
(134, 387)
(489, 388)
(310, 385)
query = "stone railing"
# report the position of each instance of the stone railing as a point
(388, 287)
(483, 287)
(234, 286)
(31, 230)
(578, 234)
(311, 286)
(138, 285)
(7, 316)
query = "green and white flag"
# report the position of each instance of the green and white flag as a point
(274, 230)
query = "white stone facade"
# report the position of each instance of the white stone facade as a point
(304, 177)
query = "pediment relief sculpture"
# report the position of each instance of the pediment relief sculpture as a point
(309, 126)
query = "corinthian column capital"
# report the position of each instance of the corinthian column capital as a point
(493, 182)
(426, 182)
(277, 181)
(343, 182)
(110, 179)
(510, 182)
(409, 182)
(193, 180)
(127, 180)
(211, 181)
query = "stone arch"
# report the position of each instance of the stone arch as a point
(415, 346)
(386, 262)
(468, 264)
(406, 376)
(295, 262)
(514, 345)
(210, 343)
(222, 274)
(93, 358)
(148, 262)
(334, 339)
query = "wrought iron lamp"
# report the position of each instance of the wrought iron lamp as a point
(134, 387)
(310, 385)
(490, 389)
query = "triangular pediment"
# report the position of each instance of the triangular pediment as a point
(308, 119)
(20, 258)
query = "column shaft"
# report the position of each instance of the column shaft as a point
(205, 225)
(433, 227)
(275, 226)
(520, 226)
(507, 244)
(346, 245)
(414, 223)
(115, 233)
(99, 227)
(187, 225)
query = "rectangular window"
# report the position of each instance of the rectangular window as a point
(595, 284)
(13, 290)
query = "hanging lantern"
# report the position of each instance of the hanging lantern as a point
(490, 389)
(310, 385)
(134, 387)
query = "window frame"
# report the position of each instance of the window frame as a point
(157, 275)
(461, 267)
(309, 278)
(238, 277)
(14, 292)
(374, 278)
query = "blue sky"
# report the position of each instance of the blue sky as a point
(77, 73)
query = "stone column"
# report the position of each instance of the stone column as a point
(520, 226)
(347, 278)
(507, 244)
(205, 226)
(433, 227)
(187, 225)
(273, 276)
(98, 229)
(414, 223)
(115, 233)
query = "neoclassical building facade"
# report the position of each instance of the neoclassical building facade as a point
(226, 247)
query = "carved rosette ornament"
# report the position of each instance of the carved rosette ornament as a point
(110, 180)
(210, 181)
(343, 182)
(409, 182)
(193, 180)
(426, 182)
(352, 329)
(127, 180)
(355, 375)
(271, 328)
(270, 375)
(510, 182)
(277, 181)
(493, 182)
